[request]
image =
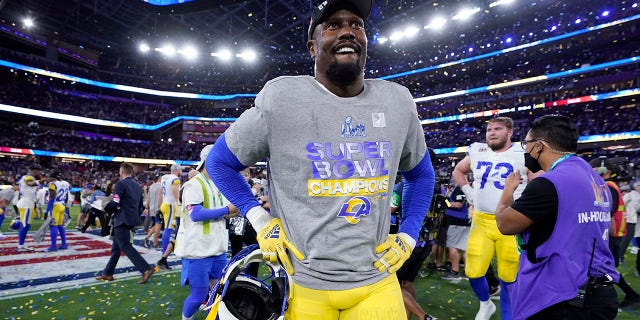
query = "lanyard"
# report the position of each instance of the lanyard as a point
(555, 163)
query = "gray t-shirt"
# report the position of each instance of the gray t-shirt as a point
(154, 198)
(7, 194)
(332, 165)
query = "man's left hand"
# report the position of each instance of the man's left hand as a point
(398, 249)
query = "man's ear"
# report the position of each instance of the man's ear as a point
(311, 46)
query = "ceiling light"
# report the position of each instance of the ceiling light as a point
(411, 31)
(247, 55)
(500, 2)
(224, 54)
(28, 22)
(189, 52)
(143, 47)
(437, 23)
(167, 50)
(465, 14)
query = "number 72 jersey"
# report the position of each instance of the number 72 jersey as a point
(490, 170)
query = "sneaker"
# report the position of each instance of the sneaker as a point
(630, 303)
(429, 317)
(63, 247)
(432, 266)
(453, 276)
(162, 263)
(24, 248)
(487, 309)
(50, 249)
(633, 250)
(145, 243)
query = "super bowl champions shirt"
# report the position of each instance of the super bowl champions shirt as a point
(332, 163)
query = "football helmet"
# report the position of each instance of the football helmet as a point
(240, 296)
(15, 224)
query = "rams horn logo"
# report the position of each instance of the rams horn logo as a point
(353, 209)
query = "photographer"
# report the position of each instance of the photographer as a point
(562, 218)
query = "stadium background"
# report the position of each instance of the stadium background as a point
(78, 93)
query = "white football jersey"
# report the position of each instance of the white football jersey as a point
(490, 170)
(167, 183)
(42, 196)
(62, 191)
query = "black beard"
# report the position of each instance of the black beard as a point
(344, 74)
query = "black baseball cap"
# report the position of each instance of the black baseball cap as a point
(360, 7)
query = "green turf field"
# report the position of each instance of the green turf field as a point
(162, 298)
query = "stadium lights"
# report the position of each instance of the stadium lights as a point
(396, 35)
(224, 55)
(436, 23)
(247, 55)
(500, 2)
(605, 13)
(144, 48)
(168, 50)
(28, 22)
(578, 21)
(189, 52)
(465, 13)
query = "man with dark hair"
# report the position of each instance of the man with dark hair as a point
(334, 144)
(562, 218)
(126, 206)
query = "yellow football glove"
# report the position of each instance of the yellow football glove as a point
(272, 239)
(398, 249)
(273, 242)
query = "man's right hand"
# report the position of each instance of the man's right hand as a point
(273, 242)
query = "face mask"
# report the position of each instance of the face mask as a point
(531, 163)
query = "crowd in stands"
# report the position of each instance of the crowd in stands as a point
(63, 140)
(609, 44)
(523, 23)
